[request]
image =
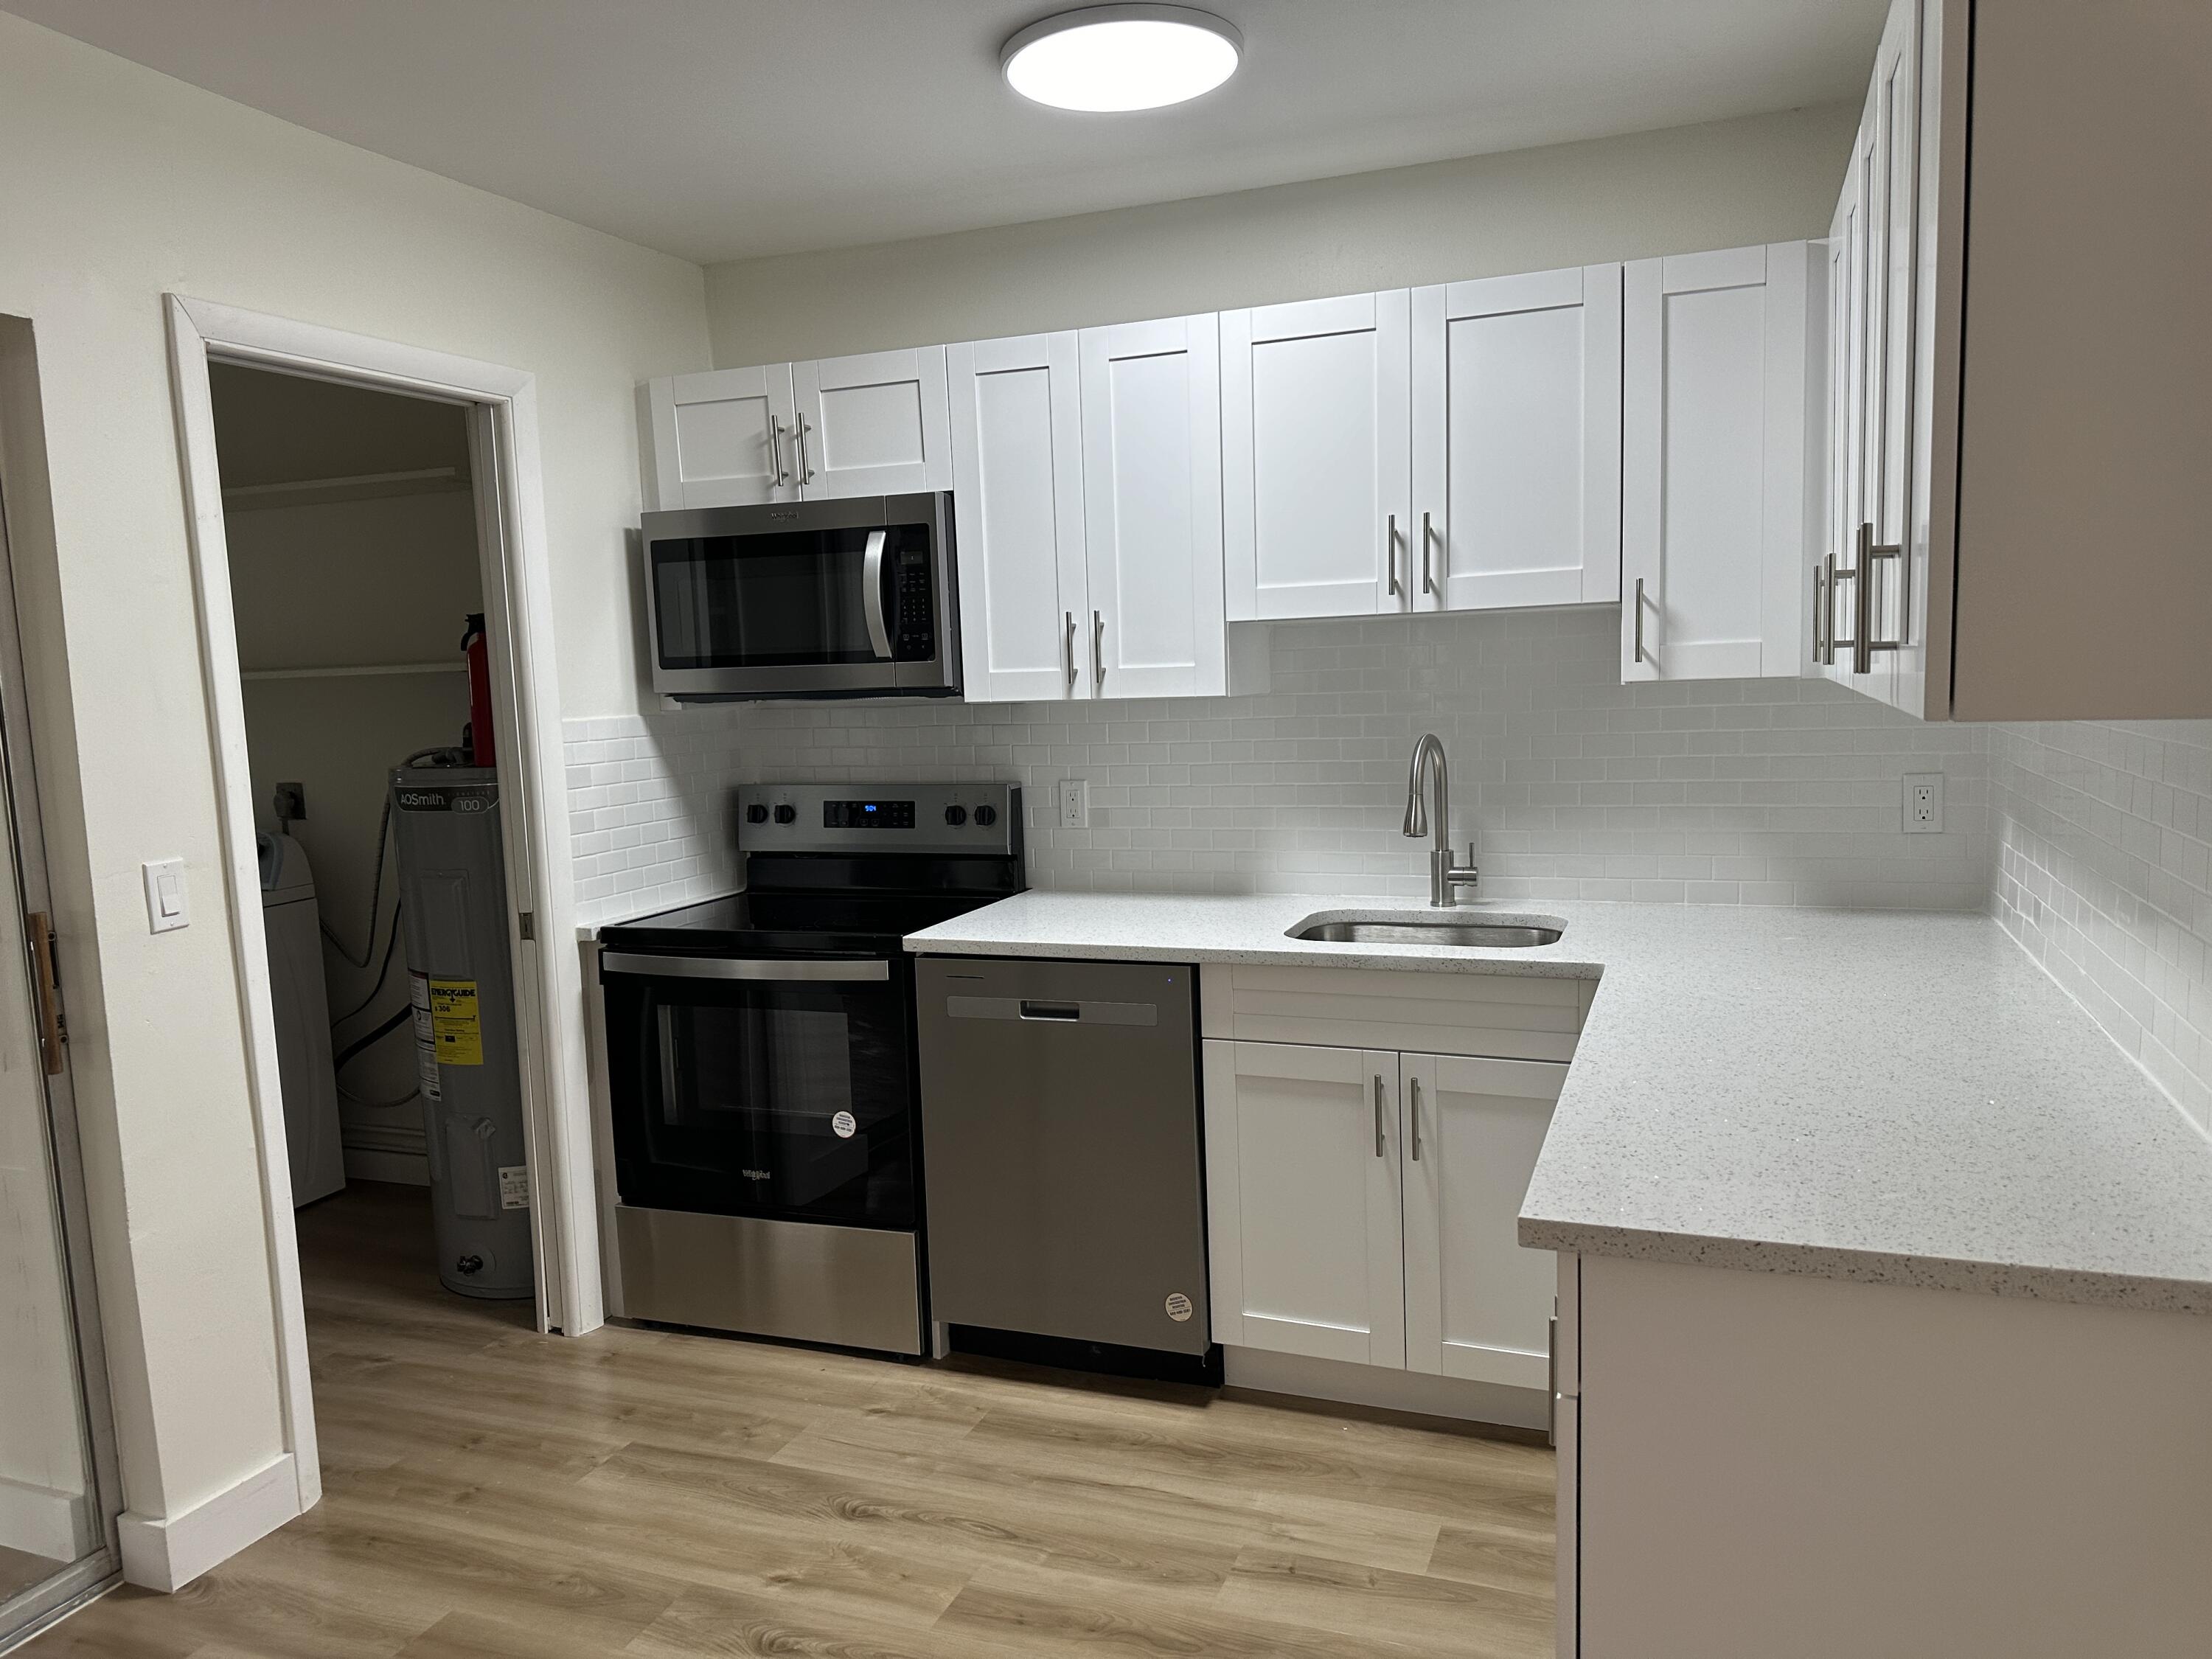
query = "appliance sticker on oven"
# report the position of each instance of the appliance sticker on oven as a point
(1179, 1307)
(843, 1123)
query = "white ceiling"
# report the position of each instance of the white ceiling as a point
(727, 129)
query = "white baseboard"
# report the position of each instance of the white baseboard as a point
(166, 1553)
(375, 1164)
(39, 1521)
(1378, 1386)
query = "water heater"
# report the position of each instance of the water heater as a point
(452, 884)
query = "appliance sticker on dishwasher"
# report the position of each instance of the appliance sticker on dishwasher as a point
(1178, 1307)
(844, 1125)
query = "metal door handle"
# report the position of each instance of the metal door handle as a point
(1820, 620)
(1378, 1114)
(1413, 1115)
(1390, 552)
(1428, 582)
(777, 472)
(749, 968)
(1098, 648)
(805, 461)
(872, 593)
(1863, 605)
(52, 1036)
(1071, 650)
(1639, 619)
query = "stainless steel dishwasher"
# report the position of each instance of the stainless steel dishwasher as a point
(1062, 1159)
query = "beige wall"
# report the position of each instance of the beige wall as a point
(120, 185)
(1769, 178)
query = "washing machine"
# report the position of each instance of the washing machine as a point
(310, 1082)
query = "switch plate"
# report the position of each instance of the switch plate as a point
(1924, 803)
(1074, 804)
(167, 906)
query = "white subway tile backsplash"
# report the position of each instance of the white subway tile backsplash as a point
(2103, 872)
(1722, 792)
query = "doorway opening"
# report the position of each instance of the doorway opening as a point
(356, 587)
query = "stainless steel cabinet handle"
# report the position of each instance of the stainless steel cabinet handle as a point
(1639, 619)
(47, 988)
(1071, 650)
(871, 593)
(805, 461)
(1413, 1115)
(1821, 621)
(1428, 582)
(1098, 648)
(1378, 1114)
(777, 472)
(756, 968)
(1390, 552)
(1863, 605)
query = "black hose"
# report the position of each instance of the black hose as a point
(387, 1028)
(383, 971)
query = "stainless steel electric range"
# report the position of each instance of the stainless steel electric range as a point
(761, 1063)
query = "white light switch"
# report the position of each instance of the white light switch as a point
(166, 905)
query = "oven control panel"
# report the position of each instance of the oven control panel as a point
(897, 817)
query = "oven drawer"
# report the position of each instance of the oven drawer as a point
(857, 1287)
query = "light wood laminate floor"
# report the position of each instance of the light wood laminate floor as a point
(490, 1492)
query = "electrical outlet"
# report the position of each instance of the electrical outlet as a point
(291, 802)
(1924, 803)
(1074, 804)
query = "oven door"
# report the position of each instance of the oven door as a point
(779, 1087)
(822, 599)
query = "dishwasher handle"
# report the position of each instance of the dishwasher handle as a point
(1040, 1010)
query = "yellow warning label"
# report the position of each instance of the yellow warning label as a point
(456, 1028)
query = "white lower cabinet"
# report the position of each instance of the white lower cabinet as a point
(1363, 1206)
(1477, 1306)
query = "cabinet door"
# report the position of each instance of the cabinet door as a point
(1302, 1197)
(1714, 524)
(1477, 1305)
(1315, 440)
(872, 425)
(1152, 499)
(1516, 439)
(723, 438)
(1017, 494)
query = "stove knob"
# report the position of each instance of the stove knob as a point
(986, 816)
(756, 814)
(787, 815)
(956, 815)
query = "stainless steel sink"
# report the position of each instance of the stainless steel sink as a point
(1421, 930)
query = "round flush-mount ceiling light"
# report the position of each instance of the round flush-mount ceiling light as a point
(1121, 57)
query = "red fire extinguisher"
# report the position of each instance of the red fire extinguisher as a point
(476, 646)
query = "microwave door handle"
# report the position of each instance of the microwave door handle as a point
(766, 967)
(871, 593)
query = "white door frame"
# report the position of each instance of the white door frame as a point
(502, 405)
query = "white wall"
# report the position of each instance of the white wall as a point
(120, 185)
(1764, 179)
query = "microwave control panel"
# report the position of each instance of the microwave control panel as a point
(916, 639)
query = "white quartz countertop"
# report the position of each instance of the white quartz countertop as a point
(1900, 1098)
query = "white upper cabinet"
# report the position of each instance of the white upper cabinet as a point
(1151, 495)
(1302, 1204)
(1516, 441)
(1316, 436)
(723, 438)
(1018, 495)
(872, 425)
(1720, 462)
(1477, 1306)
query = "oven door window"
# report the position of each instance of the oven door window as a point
(797, 597)
(782, 1098)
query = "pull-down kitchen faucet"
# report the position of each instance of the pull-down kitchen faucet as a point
(1445, 877)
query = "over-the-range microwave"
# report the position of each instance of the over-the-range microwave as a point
(835, 599)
